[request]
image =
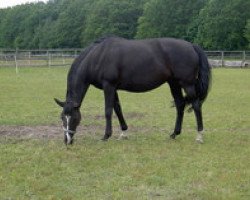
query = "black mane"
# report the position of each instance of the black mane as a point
(77, 62)
(83, 54)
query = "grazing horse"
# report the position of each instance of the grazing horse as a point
(114, 63)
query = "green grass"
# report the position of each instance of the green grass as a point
(27, 98)
(147, 166)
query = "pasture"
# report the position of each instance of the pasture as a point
(35, 164)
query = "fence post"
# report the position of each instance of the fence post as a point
(244, 59)
(15, 56)
(49, 58)
(63, 59)
(222, 58)
(6, 61)
(29, 58)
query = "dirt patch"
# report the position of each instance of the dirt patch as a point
(51, 131)
(30, 131)
(56, 132)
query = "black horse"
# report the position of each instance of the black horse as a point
(114, 63)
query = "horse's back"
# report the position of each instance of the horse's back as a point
(140, 65)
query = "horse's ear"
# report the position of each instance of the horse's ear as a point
(60, 103)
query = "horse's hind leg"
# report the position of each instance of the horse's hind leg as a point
(198, 114)
(118, 111)
(196, 104)
(180, 105)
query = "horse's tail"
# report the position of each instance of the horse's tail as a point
(204, 74)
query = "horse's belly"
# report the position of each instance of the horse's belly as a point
(140, 85)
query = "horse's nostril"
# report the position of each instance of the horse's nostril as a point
(68, 137)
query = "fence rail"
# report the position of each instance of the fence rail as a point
(65, 57)
(229, 58)
(38, 58)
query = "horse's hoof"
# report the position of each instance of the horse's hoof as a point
(172, 136)
(199, 141)
(105, 138)
(123, 136)
(199, 138)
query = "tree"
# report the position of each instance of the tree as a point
(114, 17)
(3, 14)
(214, 24)
(46, 35)
(222, 24)
(71, 22)
(168, 18)
(18, 28)
(247, 32)
(10, 27)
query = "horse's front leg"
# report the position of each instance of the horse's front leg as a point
(109, 95)
(118, 111)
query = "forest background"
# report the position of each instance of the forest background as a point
(213, 24)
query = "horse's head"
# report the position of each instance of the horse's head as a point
(71, 118)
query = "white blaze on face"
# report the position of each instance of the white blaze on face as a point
(67, 129)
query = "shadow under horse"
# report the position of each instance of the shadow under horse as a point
(114, 63)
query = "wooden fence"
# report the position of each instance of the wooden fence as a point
(238, 59)
(65, 57)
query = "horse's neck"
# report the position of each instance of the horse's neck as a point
(77, 81)
(76, 91)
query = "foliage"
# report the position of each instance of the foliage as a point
(46, 35)
(222, 23)
(247, 32)
(21, 26)
(168, 18)
(71, 23)
(112, 17)
(147, 166)
(214, 24)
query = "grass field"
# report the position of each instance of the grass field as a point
(147, 166)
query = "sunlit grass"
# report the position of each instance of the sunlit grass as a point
(147, 166)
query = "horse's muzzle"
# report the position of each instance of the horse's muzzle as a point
(68, 136)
